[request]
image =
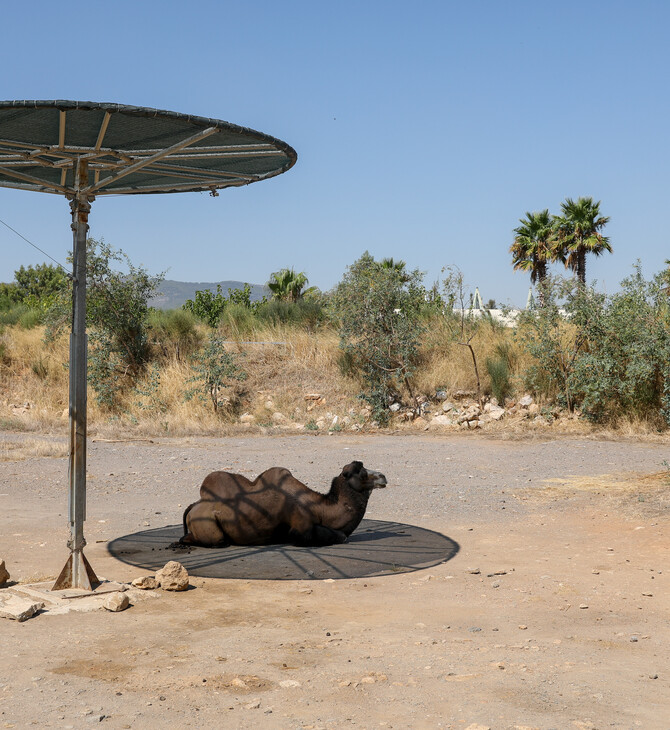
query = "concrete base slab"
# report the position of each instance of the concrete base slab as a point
(71, 600)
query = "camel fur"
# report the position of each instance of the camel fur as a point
(276, 508)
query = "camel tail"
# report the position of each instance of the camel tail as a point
(186, 511)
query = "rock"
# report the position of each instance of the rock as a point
(116, 602)
(477, 726)
(19, 609)
(394, 407)
(312, 396)
(253, 705)
(278, 417)
(146, 583)
(495, 413)
(4, 573)
(247, 418)
(443, 420)
(448, 406)
(525, 401)
(441, 395)
(173, 577)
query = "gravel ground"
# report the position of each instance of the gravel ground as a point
(543, 526)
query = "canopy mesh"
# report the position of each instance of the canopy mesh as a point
(129, 150)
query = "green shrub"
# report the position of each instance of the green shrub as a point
(175, 330)
(379, 310)
(30, 319)
(13, 314)
(499, 373)
(215, 369)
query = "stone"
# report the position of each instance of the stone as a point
(146, 583)
(448, 406)
(495, 413)
(278, 417)
(4, 573)
(288, 683)
(443, 420)
(19, 609)
(394, 407)
(525, 401)
(253, 705)
(477, 726)
(312, 396)
(441, 395)
(173, 577)
(247, 418)
(116, 602)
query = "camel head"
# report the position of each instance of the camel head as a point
(361, 479)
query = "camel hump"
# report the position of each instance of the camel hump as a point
(275, 474)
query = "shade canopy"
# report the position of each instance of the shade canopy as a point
(129, 150)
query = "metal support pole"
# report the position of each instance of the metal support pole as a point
(77, 572)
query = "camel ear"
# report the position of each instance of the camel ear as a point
(350, 469)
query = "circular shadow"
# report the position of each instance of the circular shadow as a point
(375, 548)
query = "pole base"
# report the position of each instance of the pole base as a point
(77, 573)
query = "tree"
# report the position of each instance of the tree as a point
(534, 247)
(287, 285)
(579, 232)
(117, 311)
(379, 309)
(37, 285)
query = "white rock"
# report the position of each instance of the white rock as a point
(394, 407)
(278, 417)
(116, 602)
(19, 609)
(525, 401)
(448, 406)
(247, 418)
(442, 421)
(495, 413)
(4, 573)
(173, 577)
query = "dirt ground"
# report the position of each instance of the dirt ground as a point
(553, 612)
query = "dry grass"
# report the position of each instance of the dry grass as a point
(31, 449)
(283, 364)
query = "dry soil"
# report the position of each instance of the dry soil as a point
(553, 613)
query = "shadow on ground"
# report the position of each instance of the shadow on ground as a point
(375, 548)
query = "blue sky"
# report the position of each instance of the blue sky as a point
(424, 130)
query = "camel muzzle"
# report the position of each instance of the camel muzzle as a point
(377, 479)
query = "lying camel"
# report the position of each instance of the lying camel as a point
(276, 507)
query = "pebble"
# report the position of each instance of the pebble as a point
(473, 571)
(633, 639)
(253, 705)
(523, 627)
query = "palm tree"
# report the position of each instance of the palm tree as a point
(287, 285)
(534, 247)
(399, 267)
(578, 230)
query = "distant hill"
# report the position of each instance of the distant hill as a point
(174, 293)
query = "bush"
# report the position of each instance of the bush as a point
(379, 312)
(499, 368)
(624, 368)
(117, 311)
(174, 330)
(214, 368)
(608, 355)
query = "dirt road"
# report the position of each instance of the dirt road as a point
(551, 610)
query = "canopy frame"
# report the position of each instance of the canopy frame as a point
(86, 149)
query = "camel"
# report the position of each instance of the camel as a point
(277, 508)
